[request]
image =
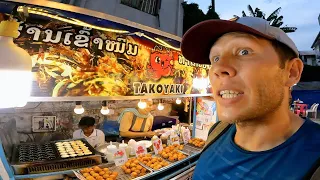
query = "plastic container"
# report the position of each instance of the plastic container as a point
(111, 149)
(125, 147)
(131, 144)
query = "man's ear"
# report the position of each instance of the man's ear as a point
(294, 68)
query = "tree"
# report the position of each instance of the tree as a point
(211, 14)
(193, 15)
(273, 18)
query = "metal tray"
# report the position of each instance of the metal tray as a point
(190, 149)
(54, 164)
(34, 153)
(122, 175)
(151, 169)
(83, 140)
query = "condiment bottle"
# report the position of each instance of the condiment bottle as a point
(155, 137)
(125, 147)
(174, 138)
(132, 143)
(111, 149)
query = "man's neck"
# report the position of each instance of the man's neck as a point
(269, 132)
(143, 112)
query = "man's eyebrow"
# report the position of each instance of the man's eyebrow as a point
(236, 34)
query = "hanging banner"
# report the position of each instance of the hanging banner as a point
(72, 58)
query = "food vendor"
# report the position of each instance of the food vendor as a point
(137, 124)
(179, 110)
(95, 137)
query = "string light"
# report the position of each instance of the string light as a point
(104, 110)
(142, 105)
(160, 106)
(78, 109)
(178, 101)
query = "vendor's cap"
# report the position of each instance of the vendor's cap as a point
(198, 40)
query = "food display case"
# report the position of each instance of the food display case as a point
(31, 160)
(148, 162)
(83, 55)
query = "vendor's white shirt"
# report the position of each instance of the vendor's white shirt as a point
(95, 139)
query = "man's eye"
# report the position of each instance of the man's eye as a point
(216, 59)
(243, 52)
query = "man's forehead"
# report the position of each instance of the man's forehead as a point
(238, 35)
(234, 35)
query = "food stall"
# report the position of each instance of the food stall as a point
(78, 57)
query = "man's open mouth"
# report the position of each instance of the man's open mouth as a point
(227, 94)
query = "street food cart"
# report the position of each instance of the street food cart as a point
(79, 55)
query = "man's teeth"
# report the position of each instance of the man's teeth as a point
(229, 94)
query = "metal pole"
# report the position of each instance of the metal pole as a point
(194, 116)
(213, 5)
(190, 111)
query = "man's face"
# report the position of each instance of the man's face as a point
(149, 107)
(87, 129)
(246, 78)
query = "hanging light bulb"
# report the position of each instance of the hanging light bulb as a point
(78, 109)
(160, 106)
(104, 110)
(142, 104)
(178, 101)
(15, 68)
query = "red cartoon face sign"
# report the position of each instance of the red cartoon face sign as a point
(118, 154)
(120, 157)
(160, 65)
(140, 150)
(157, 145)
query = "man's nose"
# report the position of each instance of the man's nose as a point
(223, 69)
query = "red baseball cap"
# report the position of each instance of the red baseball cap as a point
(198, 40)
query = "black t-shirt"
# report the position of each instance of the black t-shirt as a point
(179, 110)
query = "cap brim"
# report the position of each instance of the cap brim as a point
(198, 40)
